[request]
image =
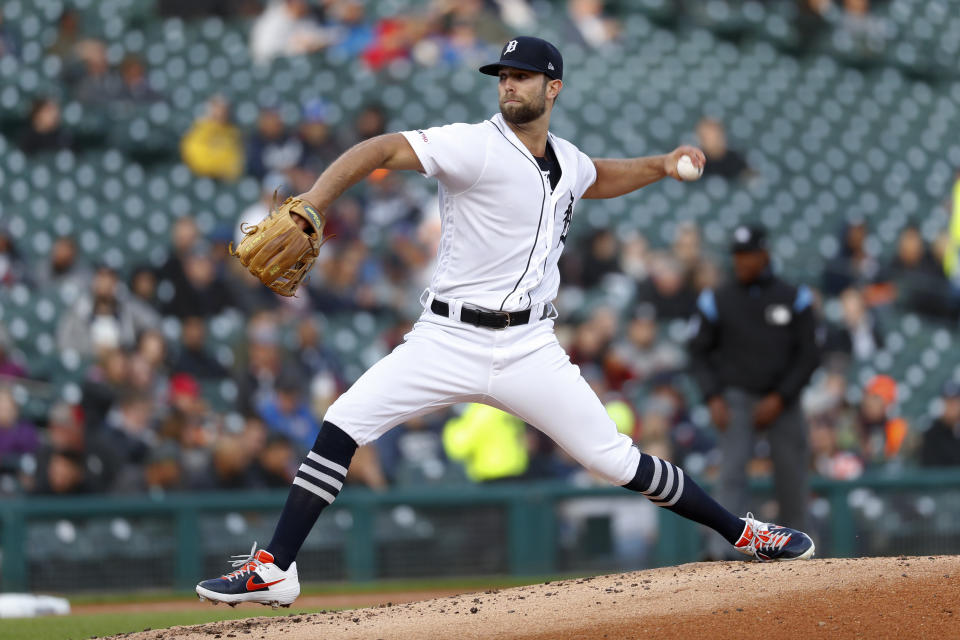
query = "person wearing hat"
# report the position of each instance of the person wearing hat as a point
(508, 191)
(753, 349)
(318, 146)
(941, 441)
(884, 436)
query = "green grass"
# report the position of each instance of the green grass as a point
(80, 627)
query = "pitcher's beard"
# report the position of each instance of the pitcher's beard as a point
(521, 113)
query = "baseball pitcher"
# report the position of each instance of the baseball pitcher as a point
(508, 191)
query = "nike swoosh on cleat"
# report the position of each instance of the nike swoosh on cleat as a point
(253, 586)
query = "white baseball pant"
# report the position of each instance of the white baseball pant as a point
(521, 369)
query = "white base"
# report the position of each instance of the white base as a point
(28, 605)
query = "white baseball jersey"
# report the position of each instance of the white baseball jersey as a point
(503, 232)
(503, 226)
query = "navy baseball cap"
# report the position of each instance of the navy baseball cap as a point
(532, 54)
(749, 238)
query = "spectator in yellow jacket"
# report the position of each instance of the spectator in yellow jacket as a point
(213, 147)
(490, 443)
(951, 258)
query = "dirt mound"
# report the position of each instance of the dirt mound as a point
(830, 598)
(312, 601)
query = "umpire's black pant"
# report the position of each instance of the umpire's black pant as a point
(789, 450)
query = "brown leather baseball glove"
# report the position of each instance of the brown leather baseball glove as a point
(277, 250)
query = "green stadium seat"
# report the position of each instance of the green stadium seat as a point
(809, 124)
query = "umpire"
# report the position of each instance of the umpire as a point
(753, 349)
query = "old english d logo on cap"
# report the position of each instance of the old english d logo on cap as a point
(531, 54)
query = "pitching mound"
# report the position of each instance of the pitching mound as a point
(867, 597)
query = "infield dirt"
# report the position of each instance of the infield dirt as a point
(918, 597)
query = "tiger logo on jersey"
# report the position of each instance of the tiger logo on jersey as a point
(567, 217)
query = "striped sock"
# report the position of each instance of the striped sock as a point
(316, 485)
(321, 477)
(667, 486)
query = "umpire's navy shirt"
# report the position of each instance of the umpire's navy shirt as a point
(758, 337)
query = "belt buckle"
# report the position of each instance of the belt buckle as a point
(506, 316)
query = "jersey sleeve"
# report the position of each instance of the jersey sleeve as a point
(586, 173)
(455, 154)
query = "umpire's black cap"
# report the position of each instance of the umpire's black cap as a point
(747, 238)
(532, 54)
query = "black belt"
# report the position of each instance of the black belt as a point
(482, 318)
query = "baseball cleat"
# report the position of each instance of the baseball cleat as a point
(768, 542)
(255, 579)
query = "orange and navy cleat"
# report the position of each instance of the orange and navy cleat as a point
(768, 542)
(256, 579)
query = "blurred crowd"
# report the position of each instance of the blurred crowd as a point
(441, 32)
(151, 418)
(451, 33)
(145, 420)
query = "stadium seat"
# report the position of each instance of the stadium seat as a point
(808, 124)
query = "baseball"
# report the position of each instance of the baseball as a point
(688, 172)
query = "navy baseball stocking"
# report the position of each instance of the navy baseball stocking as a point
(317, 484)
(667, 486)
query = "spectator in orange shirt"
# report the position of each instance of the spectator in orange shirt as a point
(884, 437)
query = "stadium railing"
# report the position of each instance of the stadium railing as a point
(876, 514)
